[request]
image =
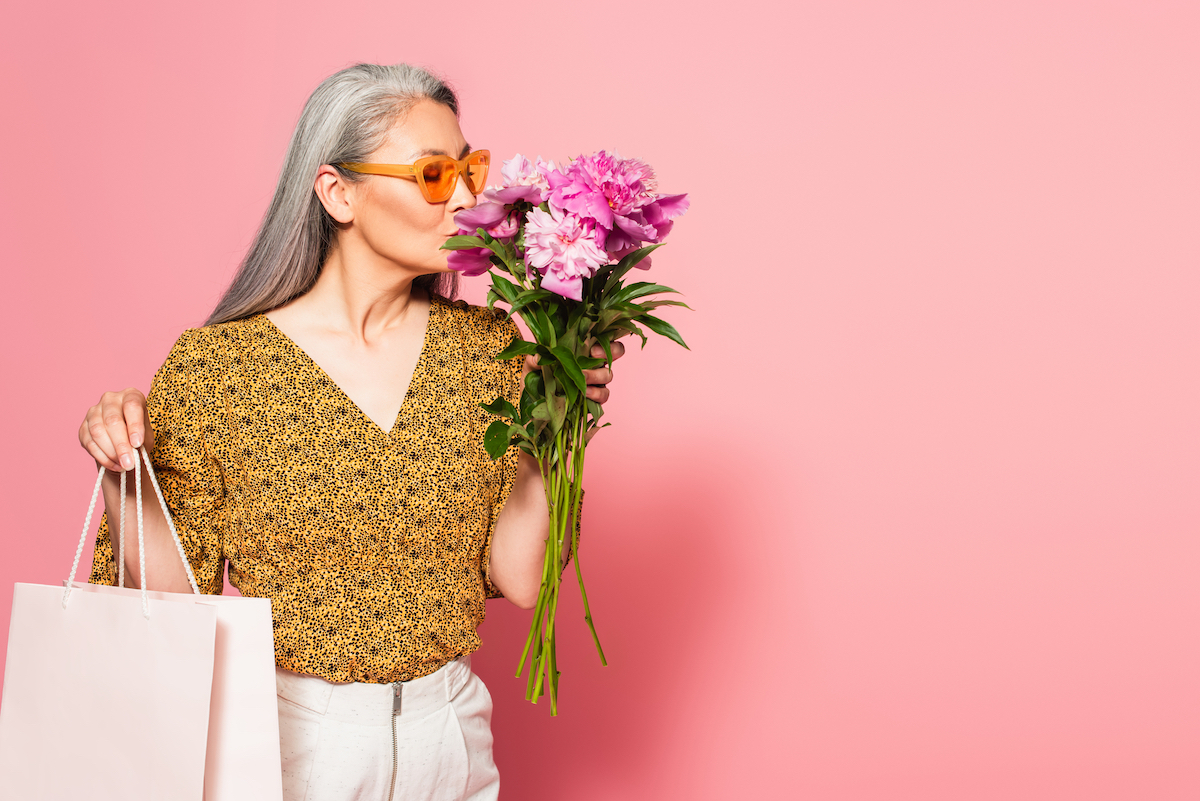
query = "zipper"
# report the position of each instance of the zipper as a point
(397, 688)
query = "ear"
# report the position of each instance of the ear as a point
(335, 193)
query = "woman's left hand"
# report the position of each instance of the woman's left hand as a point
(597, 380)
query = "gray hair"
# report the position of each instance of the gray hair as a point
(346, 119)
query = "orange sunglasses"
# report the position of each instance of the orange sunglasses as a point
(436, 175)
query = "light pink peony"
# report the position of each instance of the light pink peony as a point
(562, 248)
(523, 180)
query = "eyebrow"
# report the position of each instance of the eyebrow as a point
(433, 151)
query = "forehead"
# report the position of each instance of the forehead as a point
(428, 129)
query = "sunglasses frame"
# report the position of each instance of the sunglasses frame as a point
(416, 172)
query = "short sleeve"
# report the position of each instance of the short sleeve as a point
(504, 380)
(186, 413)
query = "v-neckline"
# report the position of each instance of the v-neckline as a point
(418, 370)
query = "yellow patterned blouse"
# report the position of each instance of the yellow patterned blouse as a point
(372, 545)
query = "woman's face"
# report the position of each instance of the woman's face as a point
(391, 214)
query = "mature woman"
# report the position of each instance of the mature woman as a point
(322, 434)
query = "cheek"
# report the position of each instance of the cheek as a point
(403, 228)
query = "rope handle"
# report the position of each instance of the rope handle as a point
(87, 525)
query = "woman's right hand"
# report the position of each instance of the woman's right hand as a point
(114, 427)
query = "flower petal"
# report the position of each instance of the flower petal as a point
(567, 287)
(636, 230)
(484, 215)
(511, 194)
(473, 261)
(672, 205)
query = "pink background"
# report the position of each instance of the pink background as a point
(915, 518)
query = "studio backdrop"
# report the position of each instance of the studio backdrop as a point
(914, 518)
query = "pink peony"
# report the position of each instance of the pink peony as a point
(562, 248)
(523, 180)
(472, 262)
(483, 215)
(493, 218)
(618, 196)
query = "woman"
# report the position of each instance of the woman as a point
(322, 433)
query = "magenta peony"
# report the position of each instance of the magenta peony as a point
(493, 218)
(561, 247)
(618, 196)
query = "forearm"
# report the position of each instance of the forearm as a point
(163, 565)
(519, 541)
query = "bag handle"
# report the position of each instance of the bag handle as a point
(87, 524)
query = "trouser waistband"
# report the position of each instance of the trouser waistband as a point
(375, 704)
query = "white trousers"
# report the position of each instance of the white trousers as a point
(338, 743)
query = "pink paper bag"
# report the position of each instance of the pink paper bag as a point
(179, 692)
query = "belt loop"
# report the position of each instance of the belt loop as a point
(311, 692)
(458, 673)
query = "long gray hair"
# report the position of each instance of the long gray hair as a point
(346, 119)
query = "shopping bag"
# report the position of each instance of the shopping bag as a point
(180, 699)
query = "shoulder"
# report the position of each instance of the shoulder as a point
(486, 329)
(207, 351)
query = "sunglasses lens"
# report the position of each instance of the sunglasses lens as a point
(439, 176)
(477, 170)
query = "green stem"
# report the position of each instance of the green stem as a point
(561, 464)
(575, 505)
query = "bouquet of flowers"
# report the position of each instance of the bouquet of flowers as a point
(560, 242)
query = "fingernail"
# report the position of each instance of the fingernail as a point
(136, 440)
(127, 461)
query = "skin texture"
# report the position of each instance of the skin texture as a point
(364, 324)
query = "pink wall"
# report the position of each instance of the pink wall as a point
(916, 517)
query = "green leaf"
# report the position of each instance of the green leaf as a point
(607, 345)
(595, 409)
(654, 304)
(463, 243)
(591, 432)
(496, 439)
(558, 412)
(626, 264)
(661, 327)
(629, 308)
(517, 432)
(505, 288)
(502, 407)
(516, 347)
(532, 296)
(640, 289)
(572, 392)
(629, 327)
(529, 315)
(610, 316)
(547, 327)
(533, 392)
(589, 362)
(502, 252)
(570, 366)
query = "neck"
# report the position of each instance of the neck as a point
(361, 295)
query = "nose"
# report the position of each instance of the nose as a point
(462, 197)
